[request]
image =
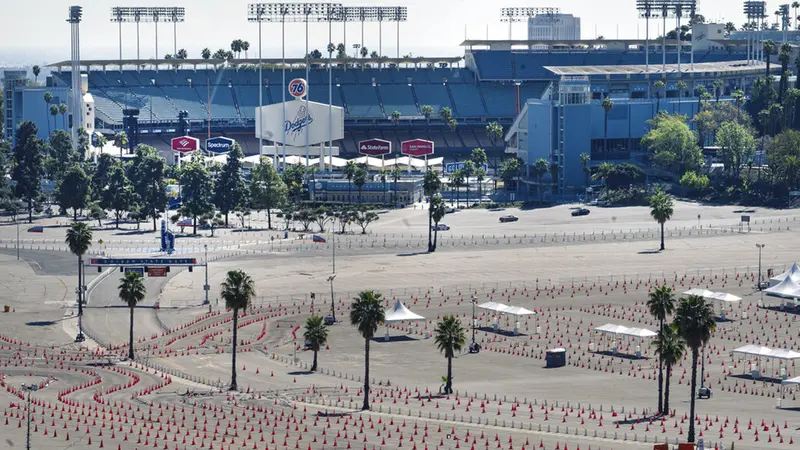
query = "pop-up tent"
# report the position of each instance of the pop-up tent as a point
(620, 331)
(399, 313)
(787, 288)
(793, 273)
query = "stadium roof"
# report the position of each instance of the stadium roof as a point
(725, 67)
(564, 42)
(251, 61)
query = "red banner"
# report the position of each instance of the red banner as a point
(156, 271)
(185, 144)
(416, 147)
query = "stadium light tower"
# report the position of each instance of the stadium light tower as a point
(255, 13)
(517, 14)
(756, 11)
(785, 21)
(74, 19)
(136, 14)
(647, 10)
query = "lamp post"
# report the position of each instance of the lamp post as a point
(333, 308)
(17, 223)
(760, 247)
(474, 324)
(28, 389)
(206, 287)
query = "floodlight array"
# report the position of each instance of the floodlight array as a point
(755, 9)
(295, 12)
(515, 14)
(75, 14)
(375, 13)
(174, 14)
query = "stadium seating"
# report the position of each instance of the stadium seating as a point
(467, 100)
(434, 95)
(493, 65)
(501, 100)
(398, 98)
(362, 101)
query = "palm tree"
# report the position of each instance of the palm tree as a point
(245, 47)
(396, 173)
(494, 131)
(131, 291)
(456, 181)
(359, 180)
(478, 157)
(661, 209)
(445, 114)
(206, 53)
(700, 91)
(603, 171)
(121, 141)
(349, 173)
(769, 49)
(427, 112)
(366, 314)
(62, 109)
(430, 186)
(585, 160)
(681, 86)
(449, 337)
(316, 335)
(608, 105)
(79, 239)
(661, 304)
(670, 348)
(238, 290)
(383, 175)
(37, 70)
(659, 86)
(719, 87)
(54, 113)
(468, 170)
(48, 97)
(438, 210)
(738, 99)
(395, 117)
(539, 169)
(695, 322)
(554, 169)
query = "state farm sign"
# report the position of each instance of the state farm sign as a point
(185, 144)
(374, 147)
(416, 147)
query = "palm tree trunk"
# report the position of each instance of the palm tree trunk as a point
(660, 375)
(130, 345)
(662, 235)
(693, 393)
(30, 211)
(435, 239)
(226, 218)
(605, 133)
(154, 219)
(666, 391)
(366, 375)
(269, 219)
(430, 221)
(349, 191)
(467, 194)
(448, 388)
(234, 387)
(314, 364)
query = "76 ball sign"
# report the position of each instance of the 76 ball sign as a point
(298, 88)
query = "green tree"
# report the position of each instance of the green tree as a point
(349, 172)
(736, 146)
(445, 114)
(60, 157)
(238, 291)
(48, 98)
(427, 112)
(719, 88)
(395, 117)
(267, 190)
(79, 239)
(230, 191)
(73, 190)
(784, 58)
(661, 305)
(364, 218)
(396, 173)
(672, 143)
(700, 92)
(603, 172)
(585, 161)
(54, 114)
(118, 194)
(478, 157)
(739, 99)
(661, 209)
(539, 169)
(694, 319)
(468, 170)
(196, 190)
(316, 336)
(554, 169)
(131, 292)
(762, 95)
(205, 53)
(770, 48)
(681, 87)
(62, 109)
(36, 71)
(509, 171)
(494, 131)
(431, 184)
(359, 180)
(659, 87)
(121, 141)
(456, 181)
(147, 173)
(449, 337)
(383, 175)
(366, 314)
(669, 347)
(28, 165)
(438, 210)
(100, 176)
(607, 105)
(293, 177)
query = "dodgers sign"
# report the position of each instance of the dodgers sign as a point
(185, 144)
(375, 147)
(219, 144)
(298, 88)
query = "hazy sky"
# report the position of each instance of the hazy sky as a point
(35, 31)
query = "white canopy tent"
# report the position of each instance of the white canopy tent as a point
(509, 310)
(759, 351)
(399, 313)
(621, 331)
(723, 298)
(705, 293)
(793, 273)
(788, 288)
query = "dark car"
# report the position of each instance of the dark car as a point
(581, 212)
(508, 218)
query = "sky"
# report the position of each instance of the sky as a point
(36, 32)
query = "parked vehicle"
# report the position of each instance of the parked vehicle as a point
(580, 212)
(508, 218)
(440, 227)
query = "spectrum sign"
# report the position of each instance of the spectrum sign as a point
(219, 144)
(374, 147)
(185, 144)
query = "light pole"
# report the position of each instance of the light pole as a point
(333, 308)
(28, 389)
(760, 247)
(206, 286)
(474, 324)
(17, 223)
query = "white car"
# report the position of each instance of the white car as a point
(450, 210)
(440, 227)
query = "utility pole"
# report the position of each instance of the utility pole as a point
(760, 247)
(206, 287)
(474, 302)
(333, 307)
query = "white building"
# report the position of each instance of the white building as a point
(551, 27)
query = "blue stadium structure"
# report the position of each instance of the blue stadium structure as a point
(500, 81)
